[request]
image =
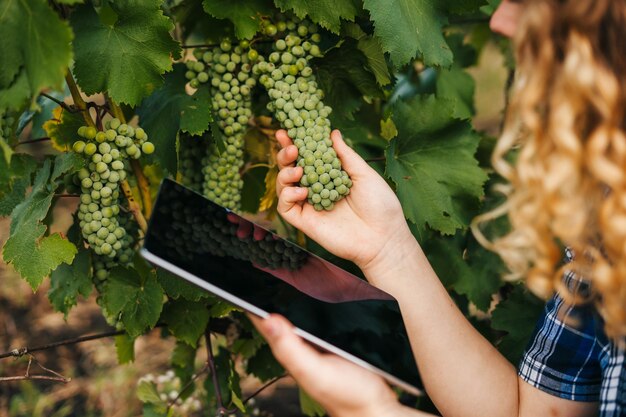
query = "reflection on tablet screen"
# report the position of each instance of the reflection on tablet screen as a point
(252, 263)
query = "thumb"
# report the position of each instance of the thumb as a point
(351, 161)
(299, 358)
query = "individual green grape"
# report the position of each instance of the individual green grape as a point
(297, 103)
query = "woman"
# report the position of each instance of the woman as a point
(567, 187)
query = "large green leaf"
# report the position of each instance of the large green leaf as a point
(433, 166)
(169, 109)
(31, 253)
(124, 52)
(67, 282)
(326, 13)
(186, 320)
(408, 28)
(176, 287)
(35, 48)
(15, 178)
(476, 277)
(373, 51)
(138, 302)
(344, 77)
(309, 406)
(245, 14)
(516, 315)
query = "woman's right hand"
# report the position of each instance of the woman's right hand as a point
(366, 227)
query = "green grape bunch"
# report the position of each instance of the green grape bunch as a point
(227, 70)
(191, 152)
(197, 231)
(101, 221)
(297, 104)
(6, 124)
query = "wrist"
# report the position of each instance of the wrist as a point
(397, 254)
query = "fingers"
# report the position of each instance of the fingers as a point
(287, 177)
(288, 203)
(244, 230)
(259, 233)
(301, 360)
(352, 163)
(288, 154)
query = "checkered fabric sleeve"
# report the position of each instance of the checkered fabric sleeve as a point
(563, 358)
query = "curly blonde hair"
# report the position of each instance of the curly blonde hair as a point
(567, 124)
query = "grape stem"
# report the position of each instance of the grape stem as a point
(78, 99)
(61, 103)
(26, 142)
(133, 207)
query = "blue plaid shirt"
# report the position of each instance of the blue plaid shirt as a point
(569, 356)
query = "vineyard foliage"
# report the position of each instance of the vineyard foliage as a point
(101, 99)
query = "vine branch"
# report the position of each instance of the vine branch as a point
(27, 376)
(265, 386)
(221, 410)
(134, 207)
(19, 352)
(61, 103)
(27, 142)
(78, 99)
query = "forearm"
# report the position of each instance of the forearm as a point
(462, 372)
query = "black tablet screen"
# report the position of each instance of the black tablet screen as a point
(275, 275)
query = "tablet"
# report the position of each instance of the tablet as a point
(262, 273)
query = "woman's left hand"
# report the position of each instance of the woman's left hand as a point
(342, 388)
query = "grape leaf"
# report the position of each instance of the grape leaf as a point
(125, 348)
(309, 406)
(263, 365)
(517, 315)
(186, 320)
(137, 301)
(31, 254)
(183, 361)
(326, 13)
(343, 76)
(468, 277)
(35, 49)
(125, 55)
(458, 85)
(176, 287)
(62, 128)
(14, 95)
(245, 15)
(372, 50)
(407, 28)
(67, 282)
(169, 109)
(14, 181)
(432, 164)
(464, 6)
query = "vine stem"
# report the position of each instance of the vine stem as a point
(134, 207)
(142, 181)
(78, 99)
(19, 352)
(265, 386)
(194, 377)
(62, 104)
(221, 410)
(27, 142)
